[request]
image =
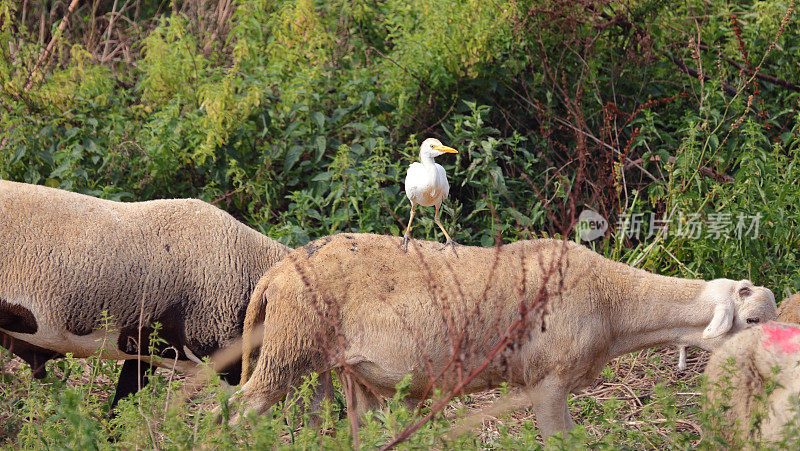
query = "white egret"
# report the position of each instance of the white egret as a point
(426, 185)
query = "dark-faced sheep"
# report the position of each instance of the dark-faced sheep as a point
(752, 379)
(65, 258)
(357, 301)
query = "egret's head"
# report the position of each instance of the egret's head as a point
(432, 147)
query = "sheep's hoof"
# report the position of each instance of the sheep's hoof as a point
(452, 244)
(404, 243)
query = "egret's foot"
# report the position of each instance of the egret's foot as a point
(404, 243)
(452, 244)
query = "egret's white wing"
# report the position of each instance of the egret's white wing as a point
(416, 179)
(442, 186)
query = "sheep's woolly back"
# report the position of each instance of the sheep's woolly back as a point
(740, 372)
(789, 310)
(390, 275)
(66, 257)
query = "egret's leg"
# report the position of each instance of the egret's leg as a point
(407, 235)
(446, 235)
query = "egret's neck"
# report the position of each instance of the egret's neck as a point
(426, 160)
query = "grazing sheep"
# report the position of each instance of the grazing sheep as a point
(65, 258)
(357, 301)
(740, 374)
(789, 310)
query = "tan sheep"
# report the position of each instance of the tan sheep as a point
(740, 374)
(66, 257)
(789, 310)
(357, 300)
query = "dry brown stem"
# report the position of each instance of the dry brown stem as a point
(48, 51)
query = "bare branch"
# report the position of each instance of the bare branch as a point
(45, 56)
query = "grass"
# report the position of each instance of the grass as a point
(640, 400)
(626, 400)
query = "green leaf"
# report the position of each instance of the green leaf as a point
(322, 176)
(386, 107)
(318, 119)
(291, 157)
(19, 152)
(713, 141)
(61, 170)
(367, 98)
(320, 143)
(522, 219)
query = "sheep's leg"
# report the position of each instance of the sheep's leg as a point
(549, 400)
(259, 398)
(132, 372)
(324, 391)
(359, 401)
(681, 358)
(449, 241)
(568, 417)
(411, 403)
(34, 356)
(363, 399)
(407, 235)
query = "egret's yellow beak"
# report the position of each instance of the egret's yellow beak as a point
(444, 149)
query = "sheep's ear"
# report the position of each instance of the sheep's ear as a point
(721, 322)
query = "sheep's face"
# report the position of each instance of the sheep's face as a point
(737, 305)
(756, 304)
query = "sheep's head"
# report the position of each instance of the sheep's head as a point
(737, 305)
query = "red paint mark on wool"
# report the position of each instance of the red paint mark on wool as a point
(781, 337)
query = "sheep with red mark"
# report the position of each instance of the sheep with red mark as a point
(753, 379)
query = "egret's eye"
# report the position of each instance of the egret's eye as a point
(745, 291)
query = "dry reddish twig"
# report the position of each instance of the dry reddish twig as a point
(109, 29)
(689, 71)
(48, 51)
(512, 334)
(750, 71)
